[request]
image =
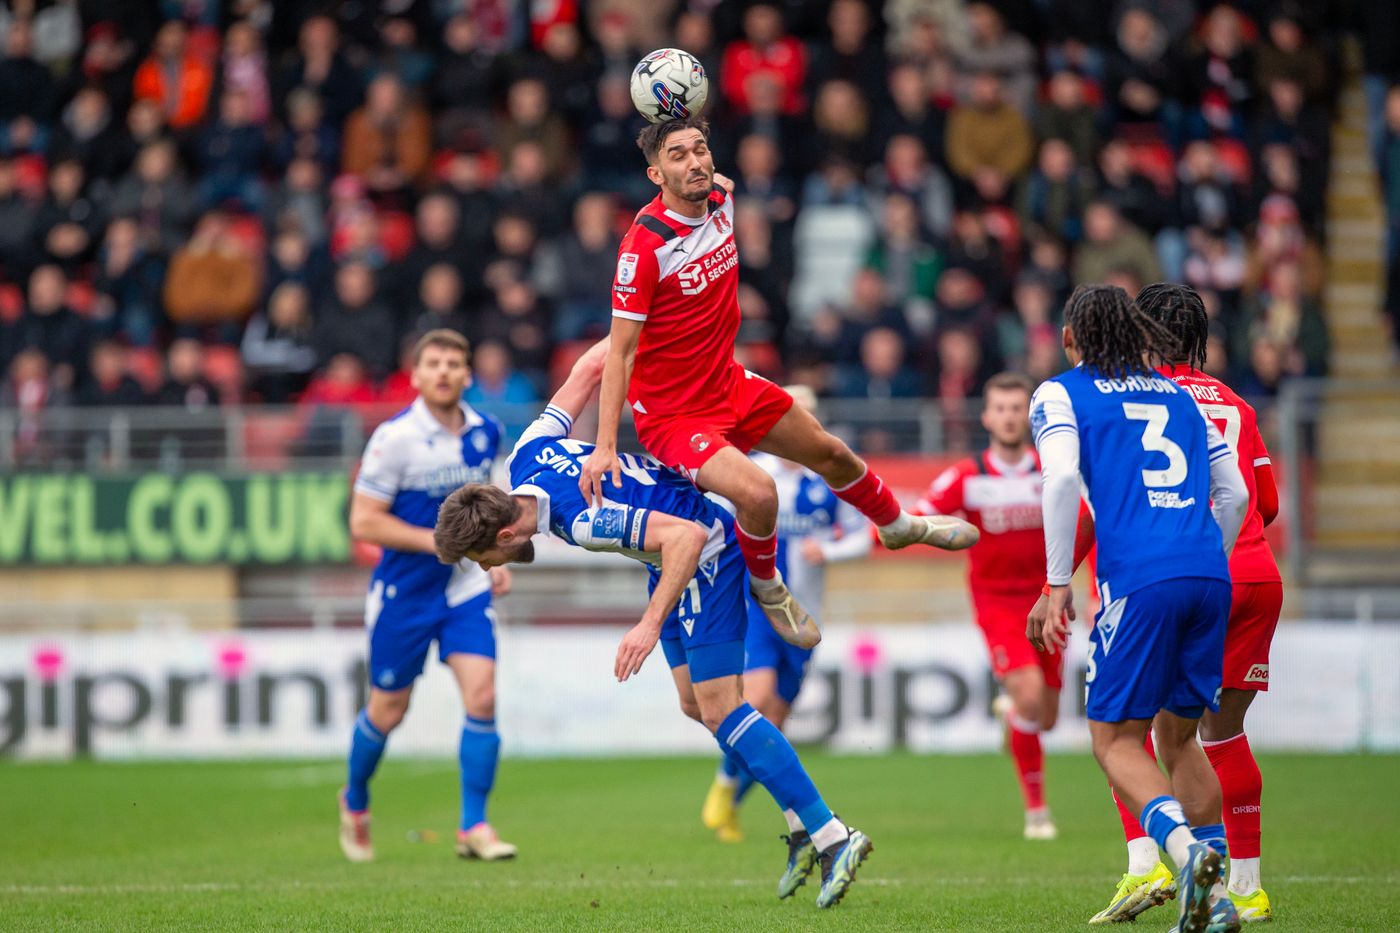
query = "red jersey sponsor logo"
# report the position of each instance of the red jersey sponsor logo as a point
(1258, 674)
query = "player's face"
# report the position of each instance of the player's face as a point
(684, 166)
(512, 552)
(1006, 416)
(441, 375)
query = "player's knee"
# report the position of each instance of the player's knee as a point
(386, 710)
(1049, 716)
(759, 499)
(480, 701)
(691, 708)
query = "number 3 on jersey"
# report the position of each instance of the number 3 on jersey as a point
(1154, 439)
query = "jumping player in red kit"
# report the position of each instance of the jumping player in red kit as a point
(998, 490)
(675, 317)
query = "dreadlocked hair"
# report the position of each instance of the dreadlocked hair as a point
(1180, 310)
(1112, 333)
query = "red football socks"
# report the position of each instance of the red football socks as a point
(1240, 789)
(870, 497)
(1026, 751)
(760, 554)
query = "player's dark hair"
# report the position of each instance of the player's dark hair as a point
(649, 140)
(1112, 333)
(469, 520)
(1179, 309)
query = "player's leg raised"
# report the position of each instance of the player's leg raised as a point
(800, 437)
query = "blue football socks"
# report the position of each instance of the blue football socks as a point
(366, 748)
(478, 753)
(770, 758)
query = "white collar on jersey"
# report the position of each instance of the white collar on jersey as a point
(1024, 465)
(470, 419)
(690, 221)
(541, 505)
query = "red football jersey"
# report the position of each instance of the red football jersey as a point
(680, 275)
(1252, 561)
(1003, 501)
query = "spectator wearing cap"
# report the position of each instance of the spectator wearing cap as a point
(989, 142)
(764, 51)
(175, 78)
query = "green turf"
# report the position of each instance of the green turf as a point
(617, 845)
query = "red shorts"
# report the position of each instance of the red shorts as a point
(1254, 611)
(1002, 618)
(687, 442)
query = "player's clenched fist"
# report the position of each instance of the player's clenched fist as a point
(636, 645)
(599, 464)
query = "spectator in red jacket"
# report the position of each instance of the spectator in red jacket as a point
(175, 78)
(764, 50)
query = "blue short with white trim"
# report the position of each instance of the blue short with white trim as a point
(1160, 647)
(401, 633)
(706, 629)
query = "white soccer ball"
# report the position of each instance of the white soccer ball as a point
(669, 84)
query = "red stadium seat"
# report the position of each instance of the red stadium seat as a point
(1155, 159)
(80, 296)
(224, 367)
(146, 366)
(11, 303)
(1234, 157)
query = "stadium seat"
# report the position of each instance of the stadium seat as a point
(146, 366)
(224, 367)
(1155, 159)
(11, 303)
(1234, 158)
(81, 297)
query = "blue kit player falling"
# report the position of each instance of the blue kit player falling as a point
(697, 608)
(815, 528)
(411, 463)
(1167, 501)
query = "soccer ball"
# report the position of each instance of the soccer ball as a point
(669, 84)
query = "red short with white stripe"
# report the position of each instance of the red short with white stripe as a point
(687, 442)
(1254, 611)
(1002, 619)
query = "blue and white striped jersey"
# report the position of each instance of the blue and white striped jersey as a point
(413, 463)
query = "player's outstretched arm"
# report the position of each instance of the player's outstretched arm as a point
(371, 521)
(577, 391)
(680, 544)
(617, 373)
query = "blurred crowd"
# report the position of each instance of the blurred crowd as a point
(205, 202)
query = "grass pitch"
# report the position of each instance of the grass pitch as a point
(617, 845)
